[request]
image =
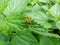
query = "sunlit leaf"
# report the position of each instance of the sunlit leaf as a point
(15, 6)
(3, 4)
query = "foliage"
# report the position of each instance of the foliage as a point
(29, 22)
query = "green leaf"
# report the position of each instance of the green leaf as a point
(45, 24)
(36, 13)
(48, 41)
(37, 29)
(24, 38)
(49, 35)
(15, 6)
(55, 10)
(45, 1)
(2, 43)
(43, 32)
(56, 1)
(3, 4)
(2, 17)
(58, 24)
(11, 22)
(3, 37)
(45, 7)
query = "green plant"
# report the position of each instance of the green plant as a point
(29, 22)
